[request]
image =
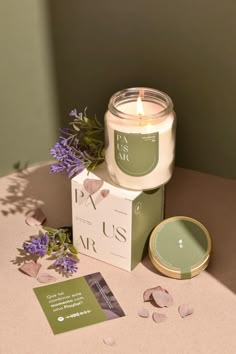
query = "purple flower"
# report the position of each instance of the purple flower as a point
(67, 160)
(57, 168)
(37, 245)
(64, 141)
(79, 146)
(64, 130)
(67, 264)
(60, 151)
(73, 113)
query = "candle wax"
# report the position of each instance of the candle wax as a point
(158, 135)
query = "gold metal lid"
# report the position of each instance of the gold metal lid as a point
(180, 247)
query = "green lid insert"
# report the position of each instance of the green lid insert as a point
(180, 247)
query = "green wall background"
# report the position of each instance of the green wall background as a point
(57, 55)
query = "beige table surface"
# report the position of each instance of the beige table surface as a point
(211, 329)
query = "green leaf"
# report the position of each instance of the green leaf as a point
(85, 110)
(87, 140)
(73, 249)
(75, 126)
(92, 132)
(62, 237)
(56, 248)
(97, 122)
(34, 236)
(49, 251)
(103, 151)
(50, 230)
(92, 166)
(68, 237)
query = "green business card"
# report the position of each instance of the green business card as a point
(78, 302)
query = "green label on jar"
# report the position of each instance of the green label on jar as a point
(136, 154)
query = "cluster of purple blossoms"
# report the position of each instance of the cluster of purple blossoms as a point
(37, 245)
(67, 160)
(80, 146)
(68, 264)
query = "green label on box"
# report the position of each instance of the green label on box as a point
(136, 154)
(78, 303)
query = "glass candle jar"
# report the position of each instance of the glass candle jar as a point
(140, 138)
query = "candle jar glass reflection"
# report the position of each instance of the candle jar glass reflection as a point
(140, 129)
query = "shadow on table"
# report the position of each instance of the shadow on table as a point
(209, 199)
(36, 187)
(212, 201)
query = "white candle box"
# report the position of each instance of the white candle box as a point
(110, 223)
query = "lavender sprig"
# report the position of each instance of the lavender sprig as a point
(38, 245)
(67, 160)
(81, 145)
(56, 243)
(68, 264)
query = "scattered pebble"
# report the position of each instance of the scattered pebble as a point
(35, 217)
(104, 192)
(31, 268)
(159, 317)
(46, 278)
(143, 313)
(109, 341)
(185, 310)
(162, 298)
(147, 295)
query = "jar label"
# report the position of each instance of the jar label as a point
(136, 154)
